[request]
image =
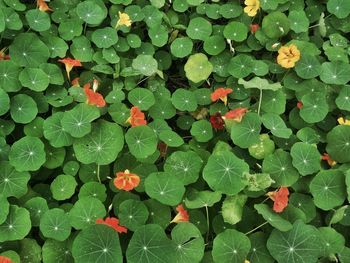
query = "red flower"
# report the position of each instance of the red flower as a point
(75, 82)
(126, 180)
(2, 54)
(280, 199)
(93, 98)
(217, 121)
(254, 28)
(299, 105)
(69, 63)
(41, 4)
(4, 259)
(330, 161)
(113, 223)
(137, 117)
(220, 94)
(236, 114)
(181, 216)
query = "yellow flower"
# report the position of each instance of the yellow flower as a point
(288, 56)
(246, 261)
(343, 121)
(124, 20)
(252, 7)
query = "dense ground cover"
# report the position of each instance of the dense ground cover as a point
(174, 131)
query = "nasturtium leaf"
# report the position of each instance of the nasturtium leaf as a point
(315, 107)
(184, 165)
(142, 98)
(91, 12)
(338, 143)
(17, 224)
(57, 46)
(102, 145)
(141, 140)
(300, 244)
(189, 243)
(38, 20)
(199, 28)
(145, 64)
(93, 189)
(328, 189)
(37, 206)
(132, 214)
(214, 45)
(81, 48)
(335, 72)
(184, 100)
(258, 182)
(158, 35)
(5, 208)
(202, 131)
(298, 21)
(339, 8)
(274, 219)
(240, 66)
(343, 99)
(104, 37)
(246, 133)
(236, 31)
(165, 188)
(4, 102)
(55, 224)
(56, 251)
(275, 24)
(54, 156)
(230, 246)
(198, 67)
(276, 125)
(258, 251)
(34, 78)
(27, 154)
(9, 72)
(305, 203)
(308, 135)
(28, 50)
(197, 199)
(263, 148)
(97, 243)
(171, 138)
(55, 133)
(181, 47)
(259, 83)
(85, 212)
(63, 187)
(77, 122)
(23, 108)
(224, 173)
(306, 158)
(333, 241)
(308, 67)
(149, 244)
(232, 208)
(12, 182)
(30, 250)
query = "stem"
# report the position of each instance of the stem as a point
(260, 99)
(251, 231)
(98, 173)
(208, 223)
(85, 25)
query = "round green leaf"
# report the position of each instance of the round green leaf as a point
(274, 219)
(258, 251)
(338, 146)
(184, 100)
(142, 98)
(158, 35)
(198, 68)
(171, 138)
(305, 203)
(57, 46)
(5, 208)
(298, 21)
(9, 72)
(339, 8)
(12, 182)
(241, 66)
(276, 125)
(315, 107)
(55, 251)
(197, 199)
(246, 133)
(104, 37)
(23, 108)
(38, 20)
(165, 188)
(306, 158)
(230, 246)
(275, 24)
(199, 28)
(55, 133)
(85, 212)
(145, 64)
(236, 31)
(63, 187)
(34, 78)
(93, 189)
(102, 145)
(91, 12)
(4, 102)
(224, 173)
(37, 206)
(336, 72)
(328, 189)
(181, 47)
(343, 99)
(308, 67)
(202, 131)
(132, 214)
(141, 140)
(232, 208)
(214, 45)
(98, 244)
(27, 154)
(55, 224)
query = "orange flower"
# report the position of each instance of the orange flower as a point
(299, 105)
(220, 94)
(280, 199)
(288, 56)
(254, 28)
(236, 114)
(113, 223)
(137, 117)
(330, 161)
(69, 63)
(75, 82)
(126, 180)
(2, 54)
(93, 98)
(43, 6)
(4, 259)
(181, 216)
